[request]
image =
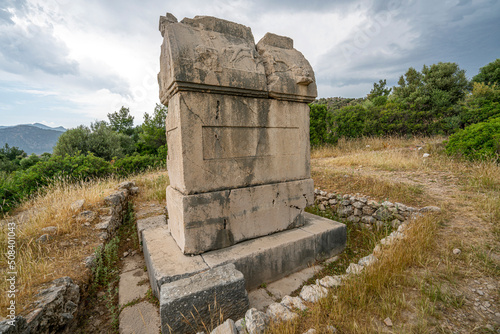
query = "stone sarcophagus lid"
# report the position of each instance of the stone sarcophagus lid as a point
(237, 132)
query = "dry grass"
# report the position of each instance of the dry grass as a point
(62, 255)
(363, 302)
(418, 283)
(153, 186)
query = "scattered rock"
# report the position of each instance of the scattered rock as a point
(345, 211)
(256, 321)
(457, 251)
(102, 226)
(313, 293)
(44, 238)
(425, 155)
(310, 331)
(383, 213)
(368, 220)
(321, 207)
(293, 302)
(354, 269)
(430, 209)
(388, 322)
(90, 261)
(329, 281)
(330, 329)
(353, 218)
(367, 260)
(228, 327)
(86, 216)
(77, 205)
(240, 326)
(49, 229)
(277, 311)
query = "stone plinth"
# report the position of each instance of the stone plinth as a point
(219, 219)
(187, 304)
(237, 132)
(261, 260)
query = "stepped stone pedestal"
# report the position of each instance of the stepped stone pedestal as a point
(238, 157)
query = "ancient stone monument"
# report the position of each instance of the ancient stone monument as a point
(237, 132)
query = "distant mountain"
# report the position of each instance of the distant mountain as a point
(43, 126)
(31, 138)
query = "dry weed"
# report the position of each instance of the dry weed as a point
(39, 262)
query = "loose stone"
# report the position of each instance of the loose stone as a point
(313, 293)
(278, 311)
(293, 302)
(256, 321)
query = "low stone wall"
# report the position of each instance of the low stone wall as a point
(56, 307)
(366, 212)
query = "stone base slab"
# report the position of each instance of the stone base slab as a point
(261, 260)
(187, 304)
(215, 220)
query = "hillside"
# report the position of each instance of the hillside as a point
(36, 138)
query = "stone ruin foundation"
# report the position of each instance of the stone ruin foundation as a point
(237, 132)
(239, 169)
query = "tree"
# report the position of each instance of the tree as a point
(99, 139)
(73, 141)
(438, 86)
(121, 121)
(379, 89)
(489, 74)
(153, 135)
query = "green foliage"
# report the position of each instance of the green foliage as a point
(10, 158)
(481, 105)
(320, 125)
(153, 138)
(73, 141)
(489, 74)
(438, 86)
(99, 139)
(29, 161)
(121, 121)
(137, 163)
(477, 141)
(335, 103)
(379, 90)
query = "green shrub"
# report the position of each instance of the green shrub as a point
(136, 163)
(477, 141)
(320, 125)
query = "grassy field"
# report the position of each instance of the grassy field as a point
(63, 254)
(420, 284)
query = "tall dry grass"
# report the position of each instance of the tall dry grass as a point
(62, 255)
(362, 303)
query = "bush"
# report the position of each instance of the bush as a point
(320, 130)
(476, 142)
(137, 163)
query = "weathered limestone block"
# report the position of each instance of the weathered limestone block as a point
(221, 142)
(198, 298)
(220, 219)
(209, 54)
(289, 74)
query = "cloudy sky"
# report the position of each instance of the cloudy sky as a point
(71, 62)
